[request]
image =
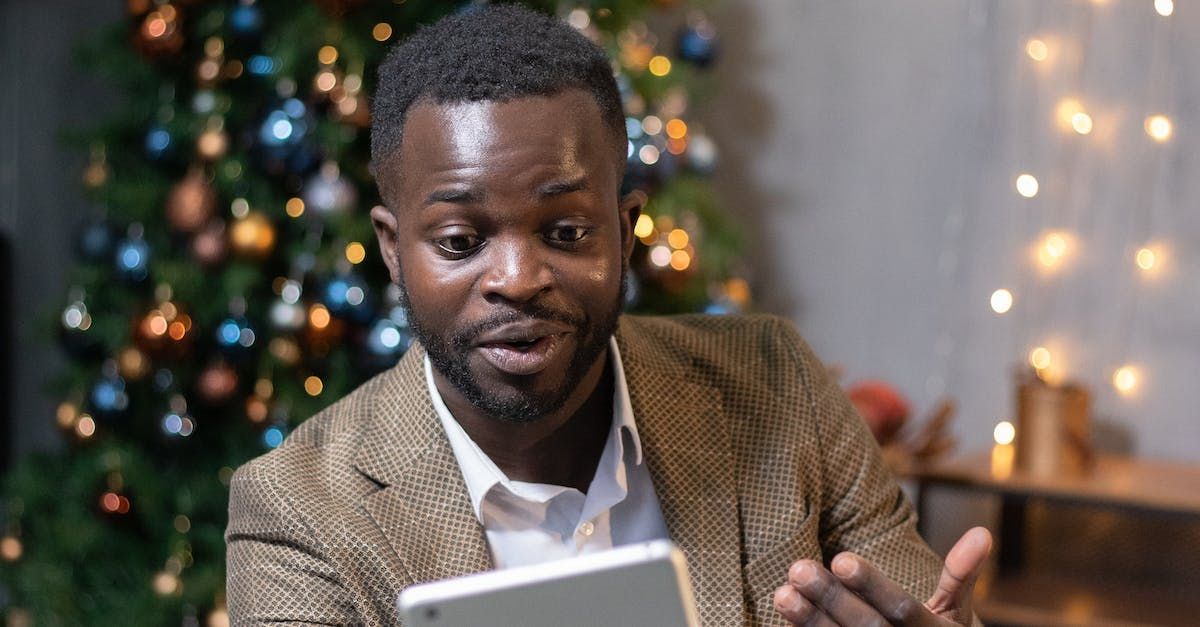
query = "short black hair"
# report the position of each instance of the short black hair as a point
(497, 53)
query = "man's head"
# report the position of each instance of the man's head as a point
(498, 146)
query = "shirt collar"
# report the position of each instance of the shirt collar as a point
(481, 474)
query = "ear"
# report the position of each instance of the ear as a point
(387, 232)
(628, 212)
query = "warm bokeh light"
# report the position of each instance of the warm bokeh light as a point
(165, 583)
(652, 125)
(1039, 357)
(1001, 301)
(382, 31)
(1066, 110)
(660, 256)
(1125, 379)
(648, 154)
(660, 65)
(678, 238)
(676, 129)
(327, 55)
(1158, 127)
(644, 226)
(1053, 249)
(294, 207)
(1003, 456)
(318, 316)
(86, 426)
(1037, 50)
(1082, 123)
(355, 253)
(1027, 185)
(1145, 258)
(10, 549)
(325, 81)
(1004, 433)
(313, 385)
(1164, 7)
(680, 260)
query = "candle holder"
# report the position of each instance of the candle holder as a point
(1053, 431)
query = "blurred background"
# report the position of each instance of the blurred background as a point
(979, 213)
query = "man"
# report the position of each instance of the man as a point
(533, 421)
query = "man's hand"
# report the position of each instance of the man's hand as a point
(857, 593)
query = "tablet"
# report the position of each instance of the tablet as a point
(637, 584)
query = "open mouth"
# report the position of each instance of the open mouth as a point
(523, 356)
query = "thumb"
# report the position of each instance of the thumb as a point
(963, 564)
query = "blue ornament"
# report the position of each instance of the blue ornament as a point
(273, 436)
(246, 19)
(108, 398)
(346, 296)
(158, 142)
(133, 258)
(234, 335)
(96, 240)
(697, 44)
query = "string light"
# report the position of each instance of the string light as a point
(1158, 127)
(382, 31)
(313, 385)
(166, 584)
(660, 256)
(676, 129)
(10, 549)
(1001, 301)
(86, 427)
(680, 260)
(1145, 259)
(1027, 185)
(1164, 7)
(1082, 123)
(1037, 50)
(1125, 380)
(318, 316)
(1039, 357)
(355, 253)
(327, 55)
(1053, 249)
(660, 65)
(678, 238)
(644, 226)
(1004, 433)
(294, 207)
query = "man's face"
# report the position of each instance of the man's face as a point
(505, 234)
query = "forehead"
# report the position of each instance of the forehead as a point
(516, 142)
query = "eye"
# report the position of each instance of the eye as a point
(567, 234)
(459, 244)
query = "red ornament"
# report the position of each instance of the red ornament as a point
(883, 408)
(191, 203)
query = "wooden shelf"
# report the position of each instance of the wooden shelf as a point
(1048, 600)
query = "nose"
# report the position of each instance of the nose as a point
(518, 271)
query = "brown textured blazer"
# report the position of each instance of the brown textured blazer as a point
(757, 458)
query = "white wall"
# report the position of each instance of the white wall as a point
(871, 147)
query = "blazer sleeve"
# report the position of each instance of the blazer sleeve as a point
(276, 572)
(862, 507)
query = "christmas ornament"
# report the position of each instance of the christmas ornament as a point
(133, 255)
(346, 296)
(166, 329)
(274, 435)
(697, 42)
(211, 244)
(217, 383)
(285, 350)
(132, 363)
(882, 406)
(328, 192)
(160, 32)
(258, 405)
(158, 142)
(213, 142)
(252, 236)
(702, 153)
(176, 422)
(96, 173)
(246, 19)
(191, 203)
(96, 239)
(386, 342)
(108, 398)
(287, 314)
(76, 324)
(234, 335)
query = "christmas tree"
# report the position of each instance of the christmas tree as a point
(227, 285)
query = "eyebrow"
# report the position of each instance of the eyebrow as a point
(559, 188)
(457, 196)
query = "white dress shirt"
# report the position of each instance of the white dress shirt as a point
(530, 523)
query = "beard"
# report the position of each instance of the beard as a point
(449, 354)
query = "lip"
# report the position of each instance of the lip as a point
(547, 340)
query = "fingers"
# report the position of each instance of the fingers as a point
(885, 596)
(963, 564)
(813, 596)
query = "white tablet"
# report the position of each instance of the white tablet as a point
(637, 584)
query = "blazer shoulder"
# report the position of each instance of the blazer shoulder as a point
(721, 342)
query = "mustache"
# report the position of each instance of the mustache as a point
(465, 338)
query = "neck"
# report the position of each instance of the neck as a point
(562, 448)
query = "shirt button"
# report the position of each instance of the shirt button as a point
(587, 528)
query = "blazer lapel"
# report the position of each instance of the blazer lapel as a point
(686, 440)
(423, 508)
